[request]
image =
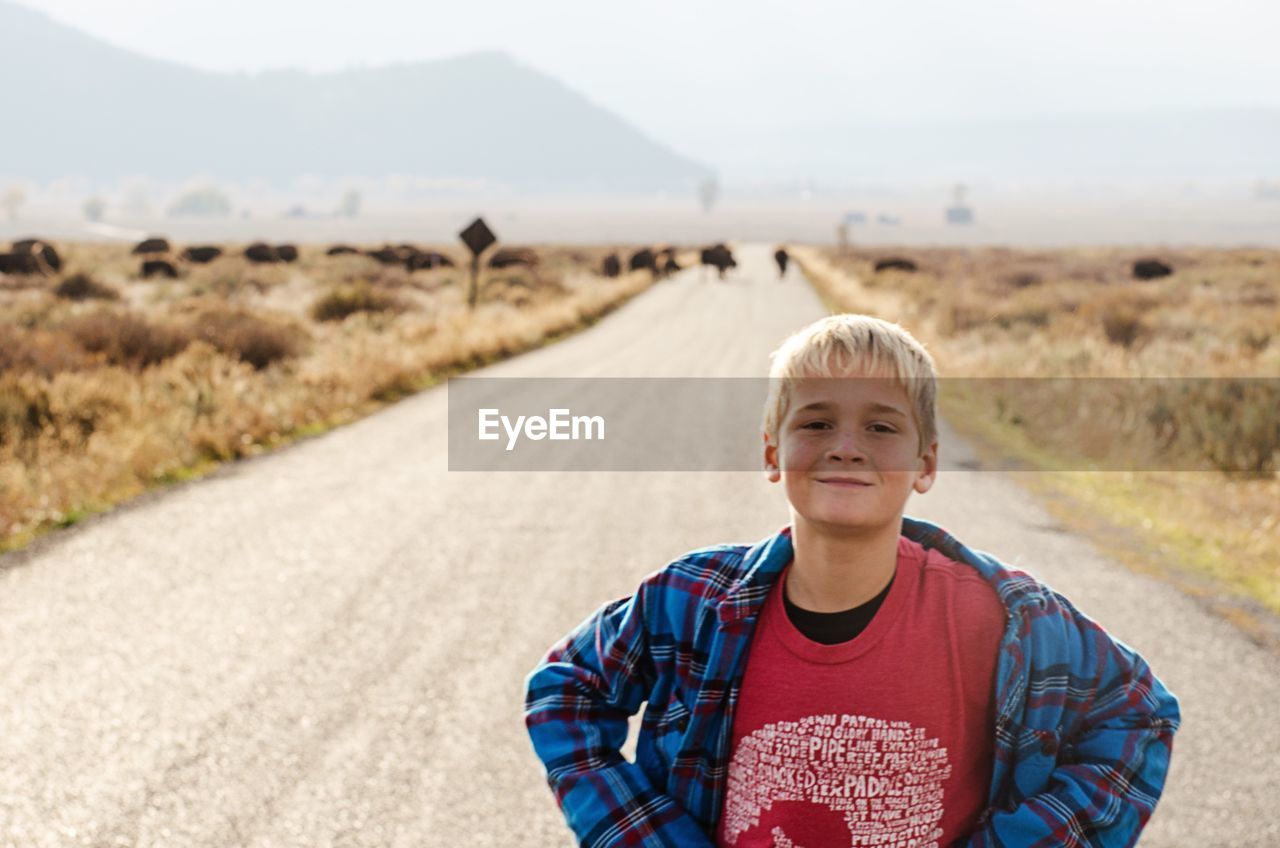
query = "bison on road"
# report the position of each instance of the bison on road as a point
(611, 266)
(782, 258)
(643, 258)
(719, 257)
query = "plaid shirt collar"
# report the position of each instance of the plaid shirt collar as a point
(765, 560)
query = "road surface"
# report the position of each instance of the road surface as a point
(327, 646)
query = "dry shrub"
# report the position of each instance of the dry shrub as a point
(24, 411)
(1023, 279)
(126, 339)
(248, 337)
(1030, 315)
(1256, 338)
(341, 302)
(1123, 326)
(225, 284)
(234, 277)
(521, 288)
(38, 351)
(81, 286)
(387, 277)
(1235, 424)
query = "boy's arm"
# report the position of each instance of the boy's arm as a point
(577, 704)
(1111, 763)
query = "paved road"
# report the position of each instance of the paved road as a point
(326, 647)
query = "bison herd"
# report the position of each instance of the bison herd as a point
(662, 262)
(32, 256)
(37, 257)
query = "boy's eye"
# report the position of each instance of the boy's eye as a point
(814, 425)
(883, 428)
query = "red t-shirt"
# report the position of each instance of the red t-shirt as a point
(885, 740)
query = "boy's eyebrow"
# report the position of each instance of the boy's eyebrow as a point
(819, 405)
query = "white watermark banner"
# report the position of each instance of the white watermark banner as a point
(716, 424)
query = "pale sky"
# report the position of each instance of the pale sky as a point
(699, 74)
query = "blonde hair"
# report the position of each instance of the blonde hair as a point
(846, 345)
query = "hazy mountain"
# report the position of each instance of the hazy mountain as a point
(77, 106)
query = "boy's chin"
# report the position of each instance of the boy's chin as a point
(848, 522)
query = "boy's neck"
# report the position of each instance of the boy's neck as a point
(832, 573)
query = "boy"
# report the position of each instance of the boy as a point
(860, 678)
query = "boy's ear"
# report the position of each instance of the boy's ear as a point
(771, 470)
(928, 469)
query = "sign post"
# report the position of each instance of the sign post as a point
(477, 237)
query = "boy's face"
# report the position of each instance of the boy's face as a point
(848, 453)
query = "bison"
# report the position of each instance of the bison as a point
(42, 249)
(895, 263)
(261, 252)
(643, 258)
(664, 262)
(719, 257)
(341, 250)
(201, 255)
(428, 259)
(287, 252)
(505, 257)
(158, 268)
(1150, 269)
(782, 258)
(22, 263)
(386, 255)
(611, 266)
(154, 244)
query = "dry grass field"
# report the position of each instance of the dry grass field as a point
(1186, 467)
(111, 384)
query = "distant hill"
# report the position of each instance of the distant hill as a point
(74, 105)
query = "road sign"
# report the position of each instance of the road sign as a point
(477, 236)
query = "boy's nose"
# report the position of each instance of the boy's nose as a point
(846, 448)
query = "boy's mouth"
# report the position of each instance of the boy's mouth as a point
(844, 482)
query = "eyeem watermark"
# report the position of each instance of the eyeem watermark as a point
(1229, 424)
(559, 426)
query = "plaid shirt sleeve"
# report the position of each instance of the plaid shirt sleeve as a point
(1094, 744)
(577, 704)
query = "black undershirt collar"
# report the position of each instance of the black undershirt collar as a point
(832, 628)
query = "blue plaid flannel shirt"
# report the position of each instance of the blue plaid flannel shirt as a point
(1083, 732)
